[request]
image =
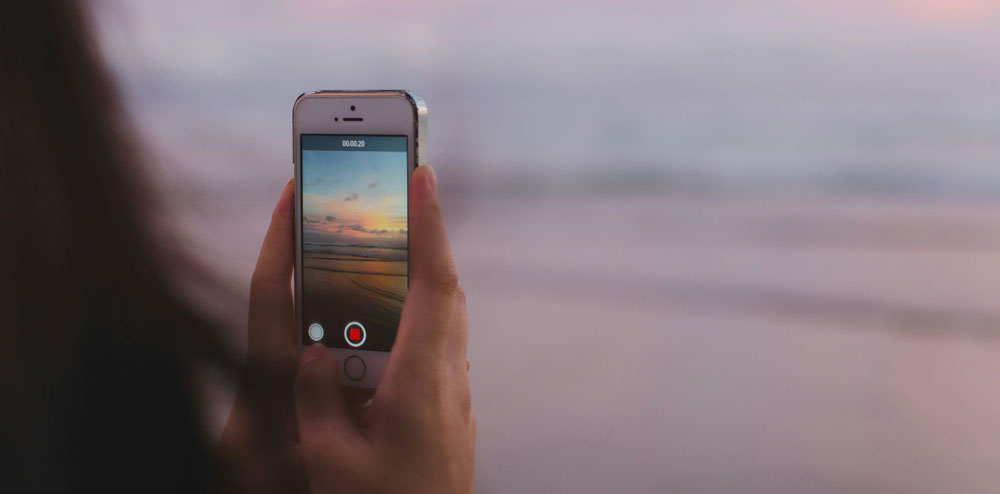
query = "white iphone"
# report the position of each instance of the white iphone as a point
(354, 153)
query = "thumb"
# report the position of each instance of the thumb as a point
(329, 439)
(271, 336)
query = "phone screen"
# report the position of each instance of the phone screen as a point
(354, 239)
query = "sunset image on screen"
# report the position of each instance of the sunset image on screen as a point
(354, 227)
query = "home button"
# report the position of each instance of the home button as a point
(354, 368)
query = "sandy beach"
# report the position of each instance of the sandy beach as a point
(340, 288)
(651, 343)
(642, 343)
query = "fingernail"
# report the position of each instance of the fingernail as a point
(312, 353)
(432, 180)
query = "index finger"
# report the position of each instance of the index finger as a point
(425, 324)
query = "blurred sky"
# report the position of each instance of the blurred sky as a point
(881, 96)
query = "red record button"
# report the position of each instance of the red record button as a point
(355, 334)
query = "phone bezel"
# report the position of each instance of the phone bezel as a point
(385, 112)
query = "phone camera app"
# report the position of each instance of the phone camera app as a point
(316, 331)
(355, 334)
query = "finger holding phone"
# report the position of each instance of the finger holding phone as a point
(368, 235)
(418, 435)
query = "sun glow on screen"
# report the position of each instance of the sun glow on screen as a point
(354, 201)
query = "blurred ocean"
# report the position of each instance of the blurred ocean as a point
(717, 246)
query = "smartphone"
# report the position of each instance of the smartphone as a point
(354, 153)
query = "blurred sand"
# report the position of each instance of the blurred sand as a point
(650, 343)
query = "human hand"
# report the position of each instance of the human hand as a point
(418, 435)
(259, 448)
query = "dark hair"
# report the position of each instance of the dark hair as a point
(98, 346)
